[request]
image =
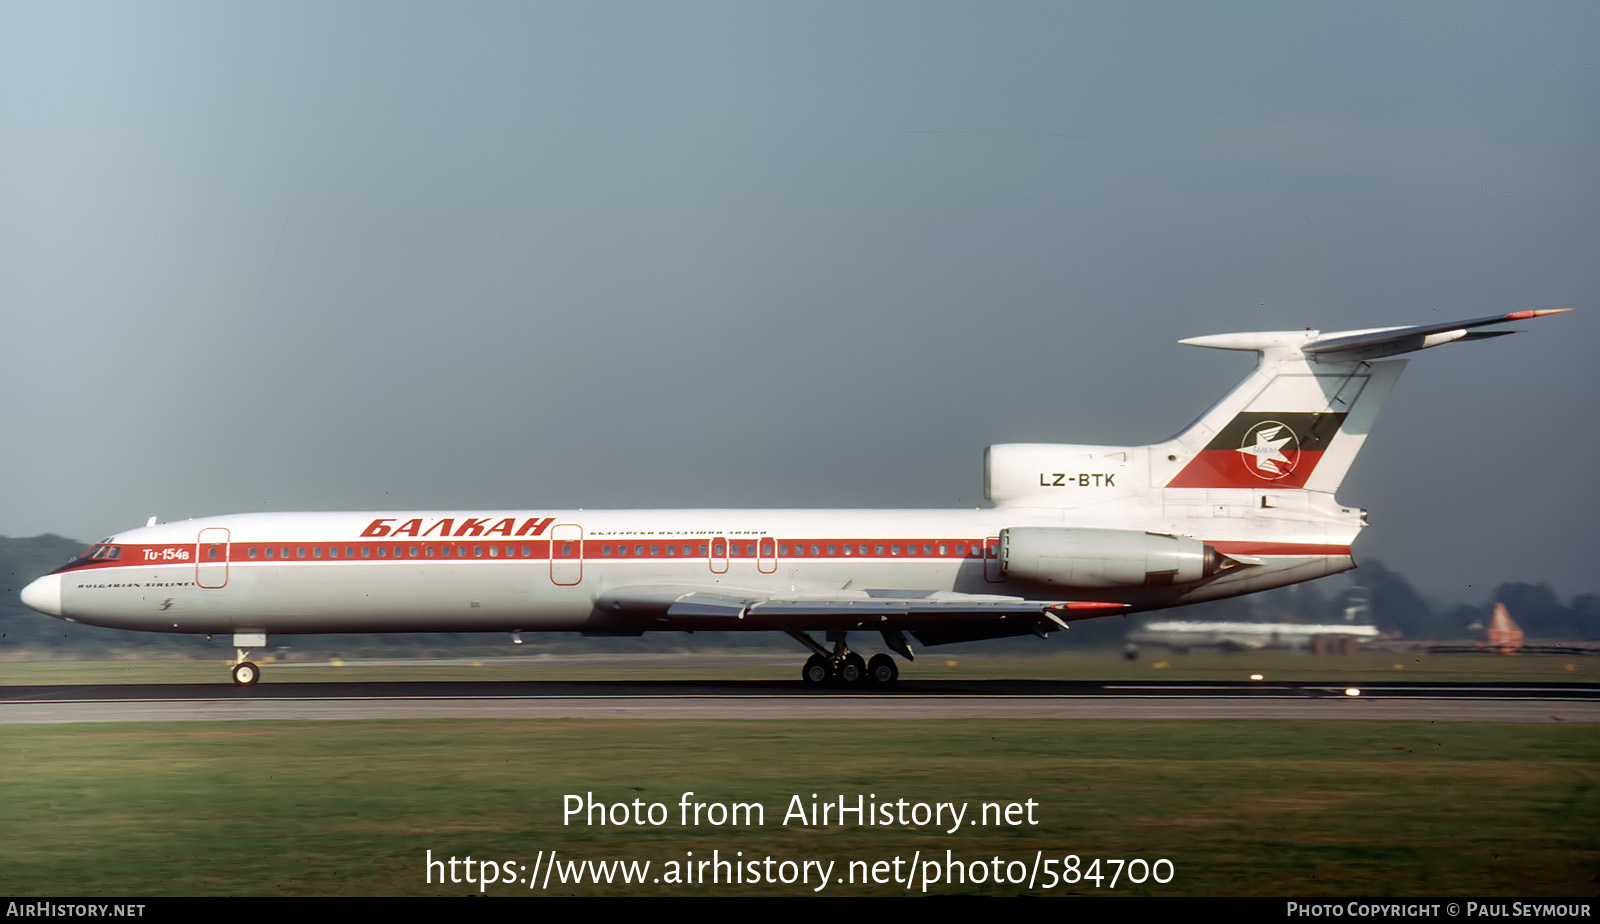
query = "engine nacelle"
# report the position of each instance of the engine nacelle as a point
(1105, 558)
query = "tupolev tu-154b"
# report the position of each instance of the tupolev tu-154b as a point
(1241, 501)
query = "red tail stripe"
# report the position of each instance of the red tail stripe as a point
(1226, 468)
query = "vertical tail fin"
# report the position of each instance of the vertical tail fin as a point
(1299, 420)
(1505, 637)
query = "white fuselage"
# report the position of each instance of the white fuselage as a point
(546, 570)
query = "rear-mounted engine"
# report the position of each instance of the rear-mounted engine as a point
(1103, 558)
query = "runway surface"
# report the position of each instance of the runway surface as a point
(1387, 701)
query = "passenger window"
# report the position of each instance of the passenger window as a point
(831, 550)
(383, 551)
(944, 549)
(252, 552)
(300, 552)
(672, 551)
(428, 552)
(494, 551)
(316, 552)
(527, 551)
(477, 551)
(366, 551)
(638, 550)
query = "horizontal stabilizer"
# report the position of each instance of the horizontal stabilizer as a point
(1393, 341)
(1372, 343)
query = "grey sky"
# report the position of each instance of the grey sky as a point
(378, 255)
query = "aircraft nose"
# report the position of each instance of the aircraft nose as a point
(44, 595)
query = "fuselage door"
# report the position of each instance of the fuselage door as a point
(767, 555)
(566, 554)
(719, 555)
(211, 558)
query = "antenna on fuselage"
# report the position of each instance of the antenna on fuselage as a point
(150, 522)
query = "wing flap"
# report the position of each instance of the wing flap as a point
(678, 607)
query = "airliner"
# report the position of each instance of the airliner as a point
(1240, 501)
(1184, 634)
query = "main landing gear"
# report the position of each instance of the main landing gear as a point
(844, 667)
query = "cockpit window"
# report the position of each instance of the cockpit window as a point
(100, 551)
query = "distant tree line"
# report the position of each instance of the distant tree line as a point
(1379, 596)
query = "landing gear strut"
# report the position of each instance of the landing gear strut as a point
(843, 666)
(245, 673)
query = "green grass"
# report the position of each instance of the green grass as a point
(1239, 807)
(767, 665)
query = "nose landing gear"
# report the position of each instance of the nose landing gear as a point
(246, 673)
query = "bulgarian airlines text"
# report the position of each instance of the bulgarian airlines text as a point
(551, 869)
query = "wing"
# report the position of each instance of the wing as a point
(935, 617)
